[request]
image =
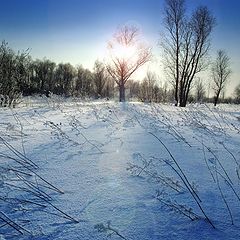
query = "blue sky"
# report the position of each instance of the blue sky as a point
(77, 31)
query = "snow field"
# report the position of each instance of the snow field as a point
(111, 168)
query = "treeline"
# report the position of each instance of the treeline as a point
(20, 75)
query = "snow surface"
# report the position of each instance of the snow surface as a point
(107, 159)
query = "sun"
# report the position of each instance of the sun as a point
(123, 52)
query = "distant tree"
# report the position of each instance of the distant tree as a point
(220, 73)
(99, 78)
(88, 84)
(127, 55)
(148, 88)
(237, 94)
(43, 75)
(108, 90)
(157, 94)
(50, 83)
(26, 83)
(23, 62)
(13, 72)
(200, 91)
(167, 94)
(79, 83)
(186, 44)
(84, 82)
(64, 79)
(151, 89)
(134, 88)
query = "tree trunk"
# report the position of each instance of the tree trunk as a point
(183, 102)
(176, 94)
(182, 96)
(177, 68)
(121, 93)
(216, 99)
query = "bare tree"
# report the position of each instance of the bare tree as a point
(99, 78)
(148, 87)
(83, 83)
(108, 90)
(186, 44)
(220, 73)
(13, 73)
(64, 77)
(134, 88)
(237, 94)
(43, 78)
(200, 91)
(175, 25)
(127, 55)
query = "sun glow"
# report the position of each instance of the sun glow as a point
(123, 52)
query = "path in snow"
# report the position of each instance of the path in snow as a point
(100, 189)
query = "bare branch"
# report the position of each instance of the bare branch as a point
(127, 55)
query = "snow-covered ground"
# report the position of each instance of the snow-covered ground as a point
(128, 171)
